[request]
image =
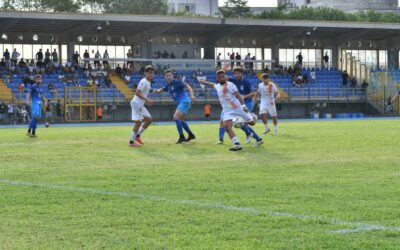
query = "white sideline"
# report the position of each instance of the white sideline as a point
(356, 227)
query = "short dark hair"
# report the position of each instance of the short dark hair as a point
(148, 68)
(240, 69)
(265, 75)
(168, 71)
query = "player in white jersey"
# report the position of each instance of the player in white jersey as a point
(269, 94)
(139, 111)
(232, 106)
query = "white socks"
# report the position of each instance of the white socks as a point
(133, 136)
(141, 130)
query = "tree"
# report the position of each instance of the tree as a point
(235, 8)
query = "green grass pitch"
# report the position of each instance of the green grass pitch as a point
(318, 185)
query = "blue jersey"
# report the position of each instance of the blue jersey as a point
(177, 91)
(244, 87)
(36, 94)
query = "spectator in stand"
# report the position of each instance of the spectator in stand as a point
(32, 67)
(353, 81)
(106, 56)
(3, 63)
(54, 57)
(364, 85)
(251, 64)
(6, 57)
(247, 64)
(299, 58)
(118, 70)
(313, 78)
(39, 58)
(14, 57)
(232, 58)
(238, 58)
(345, 78)
(108, 82)
(20, 88)
(10, 112)
(86, 58)
(219, 65)
(75, 58)
(3, 109)
(172, 55)
(389, 106)
(21, 63)
(97, 56)
(50, 88)
(326, 60)
(129, 56)
(165, 55)
(47, 56)
(185, 55)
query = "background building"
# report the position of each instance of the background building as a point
(348, 6)
(199, 7)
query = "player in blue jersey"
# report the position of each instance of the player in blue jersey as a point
(34, 98)
(245, 90)
(176, 88)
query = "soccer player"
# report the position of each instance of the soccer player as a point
(34, 98)
(139, 111)
(232, 106)
(245, 89)
(269, 94)
(176, 89)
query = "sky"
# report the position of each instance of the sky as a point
(256, 3)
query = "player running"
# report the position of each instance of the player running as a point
(232, 106)
(245, 89)
(269, 94)
(176, 88)
(34, 98)
(139, 111)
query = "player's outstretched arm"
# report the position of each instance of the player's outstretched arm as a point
(394, 97)
(191, 92)
(158, 91)
(204, 82)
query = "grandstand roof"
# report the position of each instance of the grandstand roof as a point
(67, 26)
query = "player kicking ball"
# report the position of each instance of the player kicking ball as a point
(139, 111)
(269, 94)
(176, 89)
(34, 99)
(232, 106)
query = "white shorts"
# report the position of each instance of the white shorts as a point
(138, 112)
(270, 109)
(232, 113)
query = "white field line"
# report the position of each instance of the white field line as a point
(355, 227)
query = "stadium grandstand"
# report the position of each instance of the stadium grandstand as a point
(345, 69)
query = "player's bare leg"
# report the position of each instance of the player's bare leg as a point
(265, 121)
(135, 131)
(232, 135)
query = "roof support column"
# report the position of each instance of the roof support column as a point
(70, 50)
(275, 54)
(209, 51)
(335, 56)
(393, 58)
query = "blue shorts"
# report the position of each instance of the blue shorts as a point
(249, 105)
(184, 107)
(36, 110)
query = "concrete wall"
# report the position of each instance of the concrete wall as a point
(354, 5)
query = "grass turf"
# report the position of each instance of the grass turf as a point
(82, 187)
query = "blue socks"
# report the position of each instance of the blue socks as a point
(32, 126)
(221, 134)
(186, 127)
(179, 126)
(248, 130)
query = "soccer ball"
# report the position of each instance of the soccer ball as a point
(238, 122)
(47, 125)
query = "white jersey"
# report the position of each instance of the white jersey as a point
(226, 97)
(144, 86)
(267, 93)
